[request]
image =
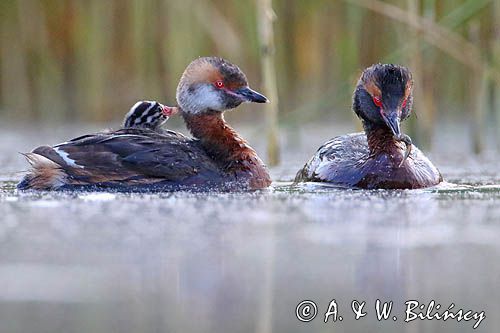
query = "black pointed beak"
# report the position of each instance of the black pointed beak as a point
(392, 120)
(249, 95)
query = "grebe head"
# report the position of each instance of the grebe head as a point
(214, 84)
(148, 114)
(383, 96)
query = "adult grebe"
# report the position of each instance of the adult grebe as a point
(377, 158)
(134, 159)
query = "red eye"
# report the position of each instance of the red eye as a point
(377, 101)
(404, 103)
(219, 84)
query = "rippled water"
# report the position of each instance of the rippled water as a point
(184, 262)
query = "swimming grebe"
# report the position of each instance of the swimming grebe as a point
(377, 158)
(134, 159)
(148, 114)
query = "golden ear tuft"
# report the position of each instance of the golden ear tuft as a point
(372, 88)
(201, 71)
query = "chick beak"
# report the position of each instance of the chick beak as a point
(249, 95)
(393, 122)
(169, 111)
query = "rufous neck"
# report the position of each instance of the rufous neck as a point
(381, 139)
(227, 148)
(216, 136)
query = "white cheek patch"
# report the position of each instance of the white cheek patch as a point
(64, 155)
(200, 99)
(207, 97)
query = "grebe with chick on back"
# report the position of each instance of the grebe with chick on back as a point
(137, 159)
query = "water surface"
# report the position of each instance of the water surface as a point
(208, 262)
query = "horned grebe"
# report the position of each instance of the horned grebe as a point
(134, 159)
(377, 158)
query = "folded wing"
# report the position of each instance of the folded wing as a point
(124, 157)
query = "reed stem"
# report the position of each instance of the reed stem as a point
(496, 64)
(478, 90)
(265, 18)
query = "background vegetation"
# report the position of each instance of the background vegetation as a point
(89, 60)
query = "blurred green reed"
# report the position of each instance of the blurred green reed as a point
(89, 60)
